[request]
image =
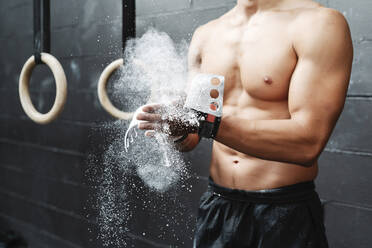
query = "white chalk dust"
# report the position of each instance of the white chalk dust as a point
(151, 178)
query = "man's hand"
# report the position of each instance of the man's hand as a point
(171, 119)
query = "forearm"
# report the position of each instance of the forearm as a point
(189, 143)
(277, 140)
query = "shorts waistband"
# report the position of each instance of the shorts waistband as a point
(286, 194)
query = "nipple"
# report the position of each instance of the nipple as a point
(268, 80)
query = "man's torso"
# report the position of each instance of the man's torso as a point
(257, 59)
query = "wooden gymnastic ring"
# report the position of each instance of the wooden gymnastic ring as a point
(102, 93)
(61, 89)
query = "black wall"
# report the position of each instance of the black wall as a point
(43, 187)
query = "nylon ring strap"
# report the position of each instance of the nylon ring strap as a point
(129, 21)
(41, 28)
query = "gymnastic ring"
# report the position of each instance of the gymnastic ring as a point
(102, 93)
(61, 89)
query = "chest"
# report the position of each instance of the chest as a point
(257, 60)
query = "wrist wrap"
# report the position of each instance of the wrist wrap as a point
(208, 125)
(182, 138)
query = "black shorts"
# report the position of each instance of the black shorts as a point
(285, 217)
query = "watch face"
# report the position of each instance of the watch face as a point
(206, 94)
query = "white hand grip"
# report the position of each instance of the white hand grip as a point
(102, 93)
(61, 89)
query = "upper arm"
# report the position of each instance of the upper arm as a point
(320, 80)
(195, 53)
(194, 63)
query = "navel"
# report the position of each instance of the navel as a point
(267, 80)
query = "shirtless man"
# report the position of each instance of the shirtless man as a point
(286, 65)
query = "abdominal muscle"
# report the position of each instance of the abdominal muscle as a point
(237, 170)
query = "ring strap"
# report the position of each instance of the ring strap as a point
(129, 21)
(41, 28)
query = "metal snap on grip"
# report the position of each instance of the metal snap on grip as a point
(61, 89)
(102, 93)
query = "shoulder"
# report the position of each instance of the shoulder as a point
(322, 17)
(201, 36)
(203, 31)
(320, 27)
(319, 20)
